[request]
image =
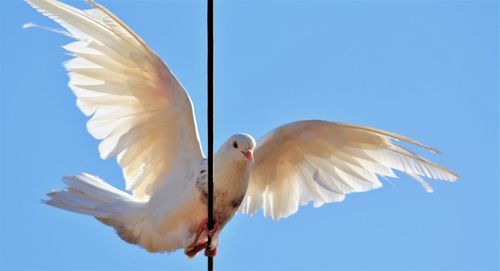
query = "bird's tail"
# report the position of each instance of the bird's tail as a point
(89, 195)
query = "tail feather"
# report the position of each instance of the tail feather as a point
(132, 219)
(93, 187)
(89, 195)
(73, 202)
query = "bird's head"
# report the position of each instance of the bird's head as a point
(240, 147)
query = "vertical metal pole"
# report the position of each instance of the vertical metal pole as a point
(210, 119)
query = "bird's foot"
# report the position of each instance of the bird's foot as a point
(191, 252)
(195, 246)
(203, 227)
(210, 252)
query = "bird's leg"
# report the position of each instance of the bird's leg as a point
(211, 251)
(196, 247)
(203, 227)
(216, 227)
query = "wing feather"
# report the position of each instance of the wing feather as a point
(323, 161)
(138, 109)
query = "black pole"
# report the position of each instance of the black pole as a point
(210, 119)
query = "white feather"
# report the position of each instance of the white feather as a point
(129, 93)
(323, 161)
(144, 117)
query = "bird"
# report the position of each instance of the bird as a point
(144, 117)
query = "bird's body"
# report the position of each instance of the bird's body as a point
(145, 118)
(163, 223)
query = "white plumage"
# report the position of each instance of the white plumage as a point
(144, 118)
(322, 161)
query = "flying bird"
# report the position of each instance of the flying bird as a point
(145, 118)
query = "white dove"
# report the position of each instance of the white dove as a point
(145, 118)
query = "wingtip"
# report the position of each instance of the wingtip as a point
(434, 150)
(456, 177)
(92, 3)
(452, 176)
(392, 135)
(28, 25)
(47, 202)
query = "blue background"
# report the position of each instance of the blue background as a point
(424, 69)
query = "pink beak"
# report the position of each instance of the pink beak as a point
(248, 154)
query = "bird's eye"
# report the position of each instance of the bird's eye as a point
(235, 144)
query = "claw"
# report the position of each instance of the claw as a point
(195, 249)
(211, 252)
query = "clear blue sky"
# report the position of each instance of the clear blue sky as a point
(424, 69)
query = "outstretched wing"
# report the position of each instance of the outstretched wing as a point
(323, 161)
(139, 110)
